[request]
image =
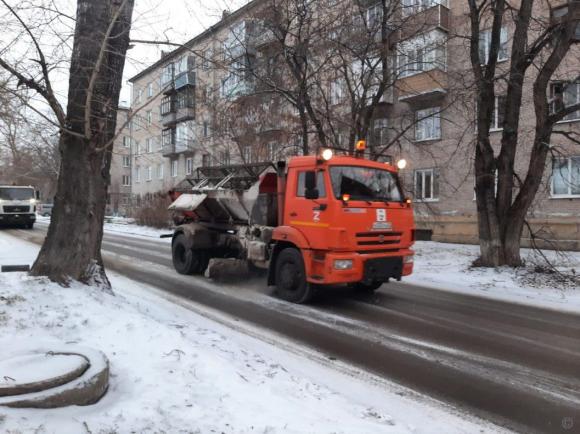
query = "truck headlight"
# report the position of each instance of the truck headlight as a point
(342, 264)
(408, 259)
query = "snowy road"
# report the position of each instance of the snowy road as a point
(515, 365)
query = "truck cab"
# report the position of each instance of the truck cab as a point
(350, 221)
(18, 205)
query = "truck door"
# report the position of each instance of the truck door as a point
(310, 216)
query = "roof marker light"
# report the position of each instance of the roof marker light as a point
(326, 154)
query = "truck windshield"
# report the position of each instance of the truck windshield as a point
(9, 193)
(365, 183)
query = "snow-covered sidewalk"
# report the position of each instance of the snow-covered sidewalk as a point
(174, 370)
(124, 226)
(448, 266)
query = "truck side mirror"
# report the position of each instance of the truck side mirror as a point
(37, 194)
(310, 190)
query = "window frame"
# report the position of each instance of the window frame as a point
(434, 173)
(435, 113)
(485, 38)
(569, 181)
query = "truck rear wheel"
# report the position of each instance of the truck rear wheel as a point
(291, 284)
(187, 260)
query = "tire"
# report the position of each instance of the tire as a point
(291, 284)
(186, 260)
(29, 226)
(367, 287)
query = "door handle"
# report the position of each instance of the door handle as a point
(293, 214)
(320, 207)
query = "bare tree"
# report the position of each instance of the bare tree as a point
(72, 249)
(539, 46)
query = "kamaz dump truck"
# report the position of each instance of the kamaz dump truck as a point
(18, 205)
(315, 221)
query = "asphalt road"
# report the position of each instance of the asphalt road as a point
(517, 366)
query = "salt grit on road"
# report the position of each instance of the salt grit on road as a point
(176, 371)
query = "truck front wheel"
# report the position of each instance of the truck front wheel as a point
(291, 284)
(187, 260)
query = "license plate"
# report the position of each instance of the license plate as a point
(381, 226)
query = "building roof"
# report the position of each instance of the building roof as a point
(227, 19)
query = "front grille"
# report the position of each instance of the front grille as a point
(382, 238)
(16, 208)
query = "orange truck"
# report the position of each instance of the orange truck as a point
(315, 221)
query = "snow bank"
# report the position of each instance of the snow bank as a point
(125, 226)
(175, 371)
(448, 266)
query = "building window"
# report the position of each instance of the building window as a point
(126, 180)
(137, 173)
(148, 147)
(498, 113)
(126, 142)
(566, 177)
(139, 95)
(225, 157)
(411, 7)
(136, 147)
(167, 137)
(427, 184)
(272, 149)
(150, 90)
(206, 160)
(206, 61)
(247, 154)
(205, 128)
(149, 117)
(380, 129)
(160, 171)
(336, 91)
(485, 46)
(174, 167)
(428, 124)
(167, 105)
(186, 98)
(167, 75)
(423, 53)
(149, 173)
(184, 135)
(126, 161)
(189, 166)
(565, 95)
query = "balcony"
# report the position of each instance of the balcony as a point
(184, 79)
(168, 110)
(425, 85)
(235, 89)
(184, 146)
(168, 149)
(436, 17)
(184, 114)
(263, 38)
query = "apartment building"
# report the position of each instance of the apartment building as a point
(206, 104)
(119, 197)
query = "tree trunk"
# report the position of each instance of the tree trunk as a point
(72, 249)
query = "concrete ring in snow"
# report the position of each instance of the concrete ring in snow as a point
(50, 376)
